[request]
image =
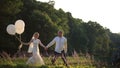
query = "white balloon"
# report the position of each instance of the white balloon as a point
(19, 26)
(11, 29)
(20, 22)
(19, 30)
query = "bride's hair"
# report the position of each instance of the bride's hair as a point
(36, 33)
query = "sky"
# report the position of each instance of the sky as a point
(104, 12)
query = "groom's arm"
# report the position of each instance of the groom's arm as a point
(51, 43)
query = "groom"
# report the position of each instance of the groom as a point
(60, 47)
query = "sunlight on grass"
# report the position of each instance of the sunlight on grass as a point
(74, 61)
(21, 63)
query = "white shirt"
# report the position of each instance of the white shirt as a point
(60, 44)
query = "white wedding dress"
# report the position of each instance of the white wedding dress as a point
(36, 59)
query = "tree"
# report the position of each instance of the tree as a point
(8, 11)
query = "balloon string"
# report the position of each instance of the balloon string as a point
(20, 46)
(18, 38)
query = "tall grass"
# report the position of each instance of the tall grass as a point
(5, 58)
(74, 61)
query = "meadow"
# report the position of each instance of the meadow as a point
(75, 61)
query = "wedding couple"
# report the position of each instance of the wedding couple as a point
(60, 49)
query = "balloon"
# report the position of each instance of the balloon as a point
(19, 26)
(11, 29)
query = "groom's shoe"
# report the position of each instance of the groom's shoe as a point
(53, 62)
(67, 66)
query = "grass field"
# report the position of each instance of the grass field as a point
(78, 62)
(74, 61)
(20, 63)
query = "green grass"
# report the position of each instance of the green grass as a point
(74, 62)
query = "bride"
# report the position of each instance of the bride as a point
(36, 59)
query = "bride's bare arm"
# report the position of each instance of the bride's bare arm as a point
(41, 44)
(27, 43)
